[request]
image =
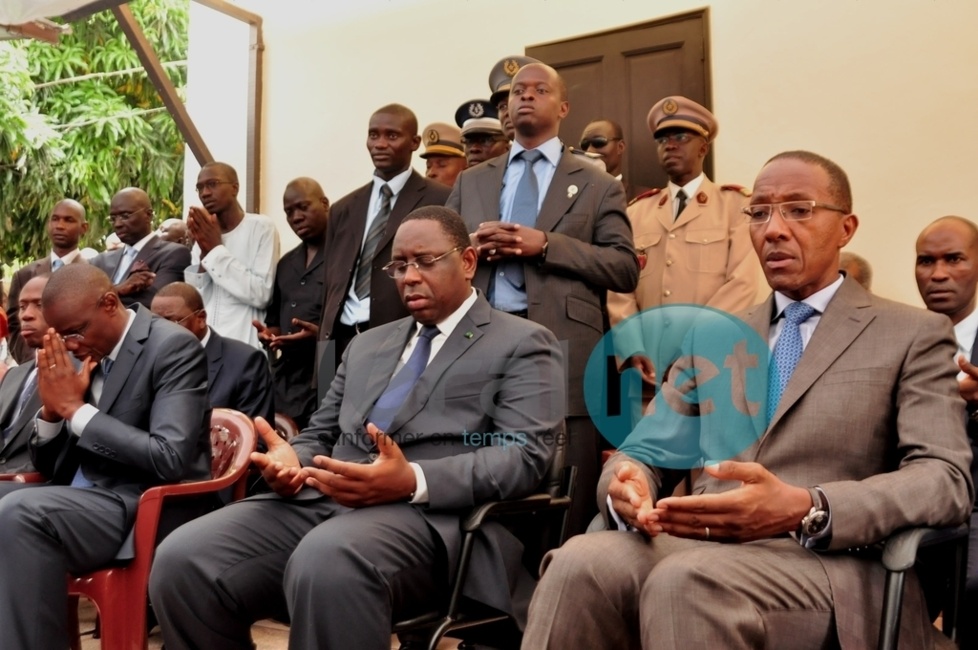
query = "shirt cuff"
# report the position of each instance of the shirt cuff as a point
(46, 430)
(621, 523)
(81, 418)
(420, 495)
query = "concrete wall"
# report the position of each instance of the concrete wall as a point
(886, 88)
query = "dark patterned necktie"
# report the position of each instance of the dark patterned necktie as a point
(681, 196)
(374, 235)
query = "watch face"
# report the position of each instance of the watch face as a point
(815, 522)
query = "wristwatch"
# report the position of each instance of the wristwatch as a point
(814, 523)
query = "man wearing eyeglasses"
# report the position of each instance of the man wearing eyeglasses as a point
(238, 376)
(134, 415)
(364, 525)
(66, 226)
(146, 262)
(861, 435)
(606, 139)
(691, 238)
(235, 255)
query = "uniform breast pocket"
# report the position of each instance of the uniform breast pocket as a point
(645, 244)
(706, 250)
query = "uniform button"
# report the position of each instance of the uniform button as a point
(293, 303)
(668, 262)
(502, 274)
(672, 235)
(666, 293)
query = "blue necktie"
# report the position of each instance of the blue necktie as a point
(124, 264)
(79, 479)
(787, 353)
(526, 207)
(57, 264)
(397, 391)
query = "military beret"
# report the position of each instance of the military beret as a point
(501, 76)
(678, 112)
(442, 139)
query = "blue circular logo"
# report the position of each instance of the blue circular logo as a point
(710, 381)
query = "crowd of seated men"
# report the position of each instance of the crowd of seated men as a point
(431, 336)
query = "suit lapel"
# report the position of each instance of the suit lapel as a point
(562, 193)
(215, 353)
(407, 199)
(10, 388)
(974, 351)
(384, 362)
(456, 344)
(846, 316)
(148, 250)
(132, 348)
(490, 191)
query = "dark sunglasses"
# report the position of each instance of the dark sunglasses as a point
(597, 142)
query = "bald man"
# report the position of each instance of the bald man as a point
(135, 415)
(146, 262)
(66, 226)
(175, 231)
(291, 323)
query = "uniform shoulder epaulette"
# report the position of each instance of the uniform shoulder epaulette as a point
(645, 195)
(736, 188)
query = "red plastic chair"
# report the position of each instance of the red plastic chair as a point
(120, 592)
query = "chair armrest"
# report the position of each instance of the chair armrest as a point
(526, 505)
(24, 477)
(900, 551)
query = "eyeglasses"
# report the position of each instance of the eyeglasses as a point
(397, 269)
(598, 142)
(481, 138)
(211, 185)
(682, 137)
(125, 216)
(79, 333)
(790, 210)
(185, 318)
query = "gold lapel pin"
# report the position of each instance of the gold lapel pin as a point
(571, 191)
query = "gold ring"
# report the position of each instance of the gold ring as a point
(492, 251)
(707, 532)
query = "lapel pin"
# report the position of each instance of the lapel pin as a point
(571, 191)
(469, 335)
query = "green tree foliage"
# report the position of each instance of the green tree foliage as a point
(81, 119)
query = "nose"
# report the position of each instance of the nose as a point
(940, 272)
(776, 227)
(430, 173)
(411, 274)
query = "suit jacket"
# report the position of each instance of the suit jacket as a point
(14, 454)
(238, 378)
(166, 259)
(153, 420)
(19, 349)
(496, 374)
(589, 252)
(344, 239)
(876, 383)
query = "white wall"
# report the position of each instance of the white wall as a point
(887, 88)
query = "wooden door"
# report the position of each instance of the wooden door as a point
(620, 74)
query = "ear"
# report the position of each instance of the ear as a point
(564, 109)
(849, 224)
(621, 146)
(415, 142)
(470, 260)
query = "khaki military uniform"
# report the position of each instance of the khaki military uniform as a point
(704, 257)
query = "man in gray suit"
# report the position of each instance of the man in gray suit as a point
(773, 548)
(551, 253)
(19, 400)
(428, 416)
(133, 416)
(147, 262)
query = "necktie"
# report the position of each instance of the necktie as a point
(526, 207)
(370, 244)
(127, 257)
(57, 264)
(787, 353)
(25, 394)
(397, 391)
(79, 479)
(681, 196)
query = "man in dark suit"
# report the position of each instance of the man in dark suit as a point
(556, 264)
(947, 278)
(133, 416)
(146, 262)
(237, 374)
(358, 294)
(428, 416)
(777, 546)
(66, 226)
(606, 138)
(19, 400)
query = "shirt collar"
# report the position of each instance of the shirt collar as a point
(690, 188)
(118, 346)
(207, 337)
(396, 184)
(142, 242)
(451, 321)
(551, 150)
(819, 300)
(68, 257)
